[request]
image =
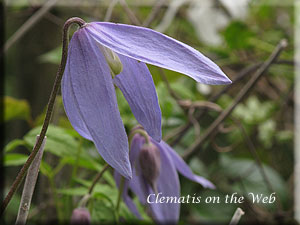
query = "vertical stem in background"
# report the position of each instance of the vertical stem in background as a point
(122, 182)
(297, 116)
(29, 185)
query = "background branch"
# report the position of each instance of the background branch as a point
(247, 88)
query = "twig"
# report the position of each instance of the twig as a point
(170, 14)
(134, 20)
(97, 178)
(29, 23)
(168, 86)
(241, 75)
(54, 19)
(236, 216)
(214, 98)
(110, 10)
(29, 185)
(155, 10)
(251, 83)
(56, 85)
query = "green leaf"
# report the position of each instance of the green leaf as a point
(252, 178)
(102, 212)
(14, 159)
(53, 56)
(76, 191)
(46, 169)
(183, 90)
(16, 109)
(105, 189)
(13, 144)
(59, 142)
(86, 163)
(237, 35)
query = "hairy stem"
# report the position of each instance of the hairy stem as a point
(61, 68)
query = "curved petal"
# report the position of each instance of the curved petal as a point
(137, 183)
(167, 186)
(94, 96)
(136, 84)
(70, 104)
(184, 169)
(128, 201)
(152, 47)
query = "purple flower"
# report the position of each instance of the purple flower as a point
(102, 55)
(80, 216)
(160, 192)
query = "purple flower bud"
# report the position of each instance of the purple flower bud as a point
(81, 216)
(149, 158)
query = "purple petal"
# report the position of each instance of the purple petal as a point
(128, 201)
(94, 100)
(71, 105)
(184, 169)
(136, 84)
(152, 47)
(137, 183)
(168, 185)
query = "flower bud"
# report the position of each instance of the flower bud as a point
(81, 216)
(112, 60)
(149, 158)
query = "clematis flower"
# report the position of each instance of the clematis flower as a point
(80, 216)
(102, 55)
(158, 181)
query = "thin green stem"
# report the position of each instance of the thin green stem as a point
(70, 184)
(42, 134)
(86, 197)
(56, 199)
(75, 168)
(141, 132)
(98, 177)
(121, 187)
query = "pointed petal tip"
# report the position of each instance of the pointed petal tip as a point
(126, 174)
(123, 169)
(227, 81)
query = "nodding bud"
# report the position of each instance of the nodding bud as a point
(112, 60)
(80, 216)
(149, 158)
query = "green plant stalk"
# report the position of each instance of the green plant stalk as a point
(122, 182)
(59, 211)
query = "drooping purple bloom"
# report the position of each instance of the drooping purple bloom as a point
(166, 184)
(102, 55)
(80, 216)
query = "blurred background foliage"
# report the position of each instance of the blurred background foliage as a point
(251, 152)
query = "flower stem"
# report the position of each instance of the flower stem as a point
(140, 131)
(97, 178)
(42, 134)
(86, 197)
(122, 182)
